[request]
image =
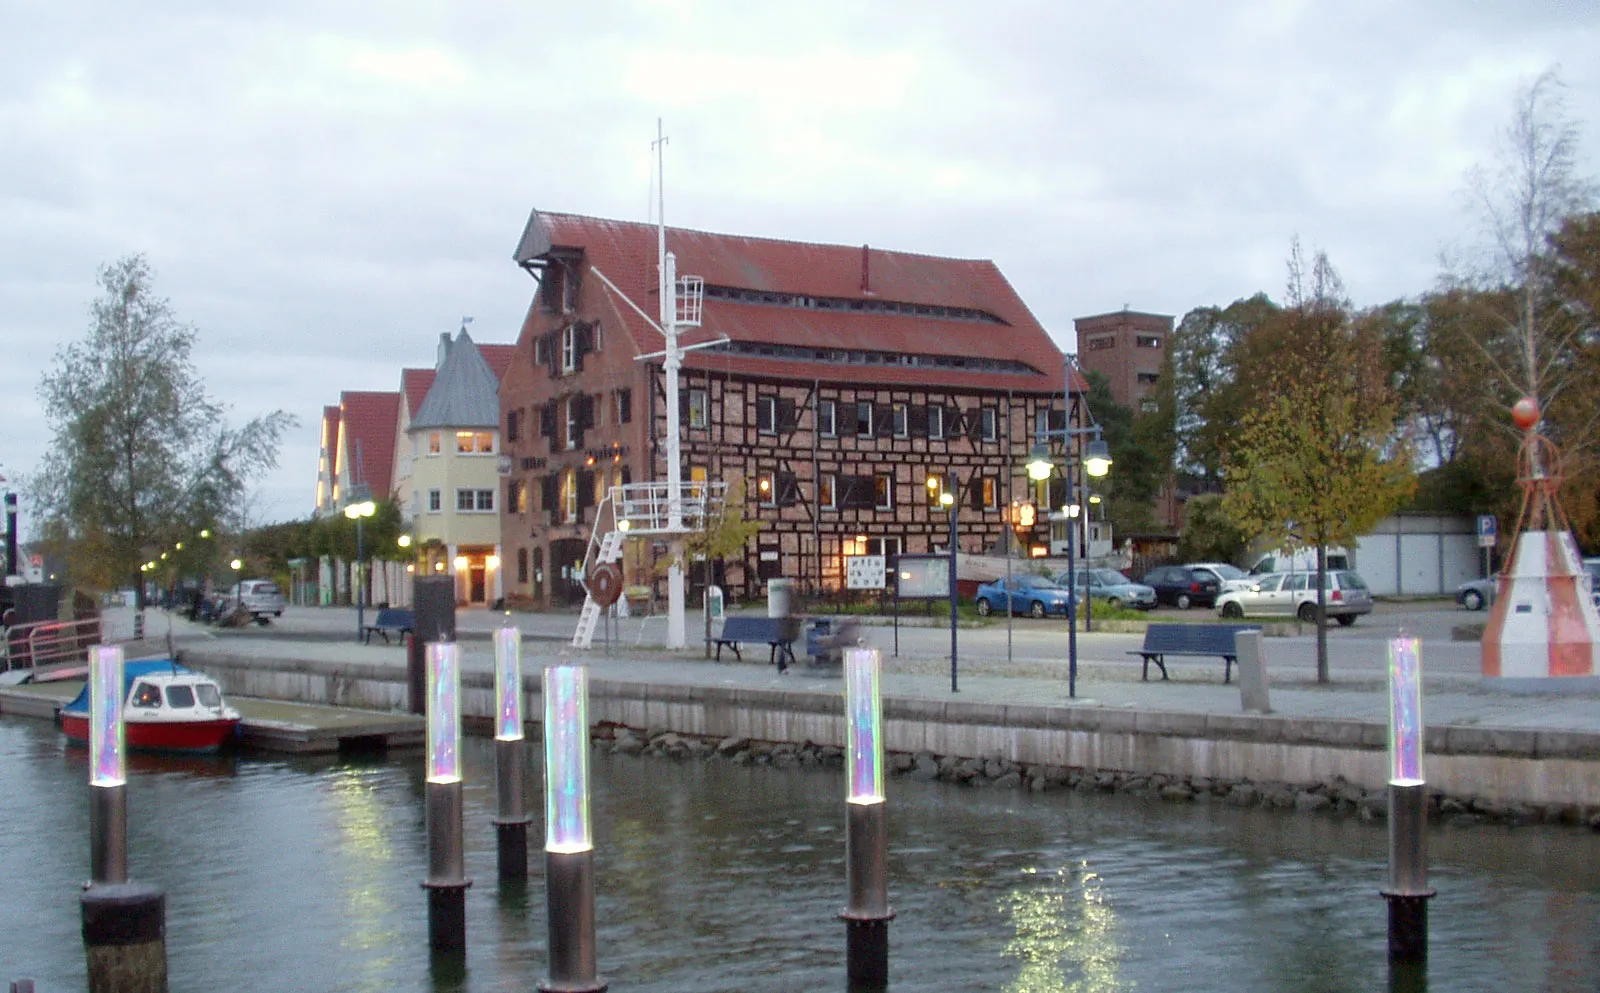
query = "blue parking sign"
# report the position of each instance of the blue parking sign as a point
(1486, 530)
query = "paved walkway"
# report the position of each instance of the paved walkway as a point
(1106, 676)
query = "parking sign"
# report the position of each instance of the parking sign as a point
(1486, 530)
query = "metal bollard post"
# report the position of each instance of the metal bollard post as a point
(511, 824)
(1408, 892)
(569, 839)
(108, 834)
(446, 883)
(867, 915)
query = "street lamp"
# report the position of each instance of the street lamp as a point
(358, 512)
(940, 495)
(1096, 462)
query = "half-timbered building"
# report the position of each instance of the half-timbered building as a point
(834, 381)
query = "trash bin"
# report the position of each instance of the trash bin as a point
(817, 629)
(778, 597)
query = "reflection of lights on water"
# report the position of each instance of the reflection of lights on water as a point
(365, 857)
(1066, 935)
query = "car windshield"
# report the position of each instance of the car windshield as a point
(1228, 571)
(1351, 581)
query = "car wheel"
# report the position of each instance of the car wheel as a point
(1232, 610)
(984, 610)
(1472, 600)
(1037, 609)
(1345, 620)
(1183, 601)
(1114, 603)
(1308, 613)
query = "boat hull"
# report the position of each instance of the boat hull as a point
(163, 736)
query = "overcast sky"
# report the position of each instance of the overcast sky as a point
(321, 187)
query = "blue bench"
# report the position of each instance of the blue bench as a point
(1161, 640)
(397, 619)
(777, 632)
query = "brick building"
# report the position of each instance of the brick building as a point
(848, 376)
(1126, 347)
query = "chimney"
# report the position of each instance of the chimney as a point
(444, 349)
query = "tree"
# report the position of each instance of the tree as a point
(1314, 461)
(140, 453)
(1139, 467)
(1209, 531)
(1207, 397)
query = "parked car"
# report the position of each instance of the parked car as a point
(1036, 595)
(1592, 567)
(1476, 594)
(1230, 576)
(1113, 587)
(1184, 587)
(1294, 594)
(260, 598)
(1299, 560)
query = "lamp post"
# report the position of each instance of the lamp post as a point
(940, 495)
(359, 512)
(1096, 462)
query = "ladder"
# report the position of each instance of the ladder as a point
(608, 548)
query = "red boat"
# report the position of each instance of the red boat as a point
(168, 708)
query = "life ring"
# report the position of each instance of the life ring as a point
(605, 584)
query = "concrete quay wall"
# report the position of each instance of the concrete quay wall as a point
(1522, 766)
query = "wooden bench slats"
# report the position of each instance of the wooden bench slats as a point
(1161, 640)
(777, 632)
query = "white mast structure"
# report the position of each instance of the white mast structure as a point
(671, 360)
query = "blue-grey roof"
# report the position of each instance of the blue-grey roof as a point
(465, 392)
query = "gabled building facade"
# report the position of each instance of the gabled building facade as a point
(840, 380)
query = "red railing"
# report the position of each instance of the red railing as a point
(47, 642)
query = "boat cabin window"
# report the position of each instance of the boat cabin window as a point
(180, 696)
(146, 695)
(209, 695)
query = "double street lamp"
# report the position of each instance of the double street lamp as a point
(947, 499)
(1041, 465)
(359, 512)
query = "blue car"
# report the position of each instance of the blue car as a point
(1039, 596)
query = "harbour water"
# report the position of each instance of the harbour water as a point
(302, 875)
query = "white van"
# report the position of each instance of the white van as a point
(1299, 560)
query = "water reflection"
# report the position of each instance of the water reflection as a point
(1066, 934)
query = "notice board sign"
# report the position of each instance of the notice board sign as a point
(922, 577)
(864, 572)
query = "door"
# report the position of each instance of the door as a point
(566, 568)
(477, 582)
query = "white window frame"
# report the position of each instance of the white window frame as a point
(864, 425)
(902, 420)
(435, 501)
(435, 443)
(828, 418)
(699, 408)
(935, 422)
(569, 348)
(888, 491)
(828, 491)
(572, 424)
(990, 420)
(767, 405)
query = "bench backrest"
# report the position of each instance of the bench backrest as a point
(394, 617)
(1207, 639)
(766, 629)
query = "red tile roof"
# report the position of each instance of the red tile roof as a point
(499, 359)
(415, 383)
(368, 429)
(626, 253)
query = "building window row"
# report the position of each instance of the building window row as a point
(860, 418)
(841, 356)
(474, 501)
(857, 305)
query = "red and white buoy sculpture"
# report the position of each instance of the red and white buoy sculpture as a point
(1543, 633)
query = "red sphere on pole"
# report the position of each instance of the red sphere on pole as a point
(1525, 413)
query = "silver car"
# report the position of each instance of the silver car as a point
(1294, 594)
(1113, 587)
(260, 598)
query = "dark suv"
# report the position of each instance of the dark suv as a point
(1184, 587)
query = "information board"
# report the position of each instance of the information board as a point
(864, 572)
(923, 577)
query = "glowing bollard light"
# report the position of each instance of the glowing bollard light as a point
(1408, 891)
(511, 823)
(446, 883)
(124, 922)
(867, 915)
(568, 839)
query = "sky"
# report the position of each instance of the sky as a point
(321, 188)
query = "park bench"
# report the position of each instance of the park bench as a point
(777, 632)
(1161, 640)
(397, 619)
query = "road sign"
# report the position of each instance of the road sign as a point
(1487, 530)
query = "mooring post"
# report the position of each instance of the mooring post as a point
(511, 823)
(568, 837)
(22, 986)
(446, 883)
(1408, 892)
(124, 923)
(867, 915)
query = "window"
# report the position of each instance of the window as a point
(1270, 584)
(699, 405)
(1149, 406)
(624, 406)
(902, 425)
(883, 490)
(1147, 341)
(864, 419)
(209, 695)
(1148, 377)
(767, 488)
(474, 501)
(990, 424)
(517, 496)
(935, 422)
(826, 492)
(991, 492)
(827, 418)
(434, 441)
(569, 494)
(146, 695)
(1101, 344)
(572, 423)
(474, 442)
(512, 425)
(569, 348)
(180, 696)
(522, 565)
(767, 415)
(434, 505)
(539, 356)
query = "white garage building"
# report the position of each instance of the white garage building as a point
(1419, 554)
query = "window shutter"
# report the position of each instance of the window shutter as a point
(547, 420)
(585, 403)
(845, 418)
(975, 493)
(627, 475)
(861, 492)
(917, 420)
(582, 343)
(552, 353)
(974, 423)
(549, 494)
(788, 489)
(788, 417)
(624, 406)
(883, 420)
(585, 489)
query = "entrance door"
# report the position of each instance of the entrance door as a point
(477, 578)
(566, 568)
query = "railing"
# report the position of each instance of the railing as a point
(647, 507)
(47, 642)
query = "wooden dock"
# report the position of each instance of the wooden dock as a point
(266, 725)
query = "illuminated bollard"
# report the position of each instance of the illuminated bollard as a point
(1408, 892)
(511, 825)
(124, 923)
(568, 840)
(446, 883)
(867, 915)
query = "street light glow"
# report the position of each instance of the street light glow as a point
(236, 565)
(1097, 460)
(404, 541)
(1040, 464)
